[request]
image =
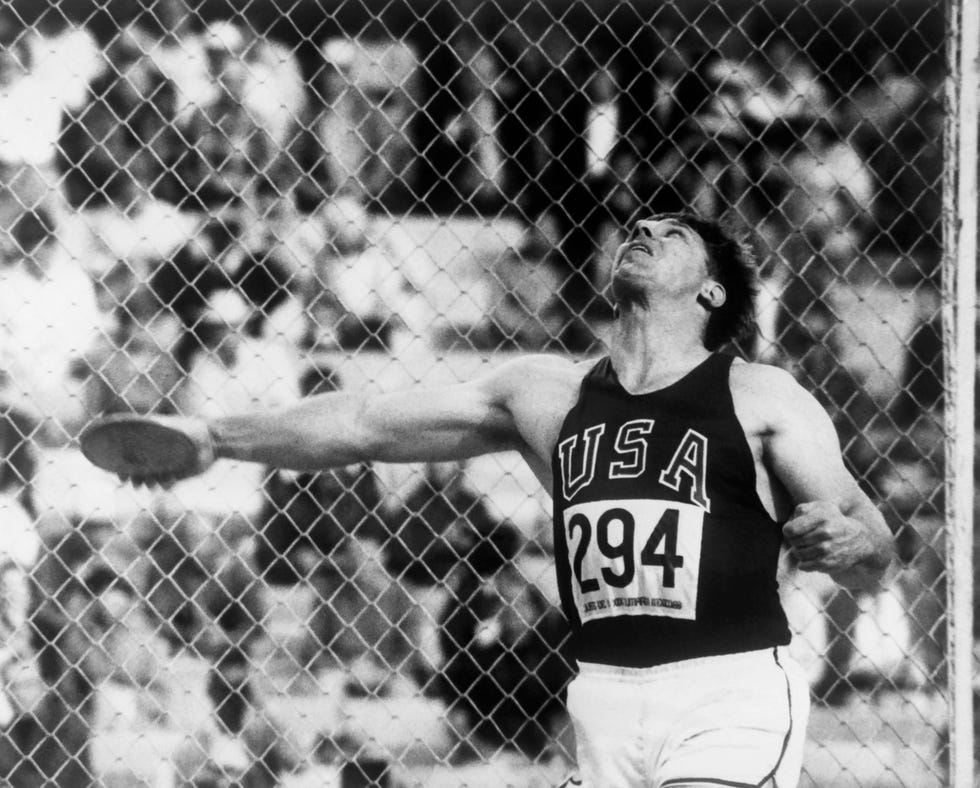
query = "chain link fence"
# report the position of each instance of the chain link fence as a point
(212, 206)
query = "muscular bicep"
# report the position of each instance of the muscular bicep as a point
(802, 450)
(499, 411)
(841, 532)
(518, 405)
(434, 424)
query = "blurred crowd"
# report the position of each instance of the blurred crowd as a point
(195, 220)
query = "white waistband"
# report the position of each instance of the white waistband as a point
(736, 661)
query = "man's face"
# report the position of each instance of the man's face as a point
(661, 255)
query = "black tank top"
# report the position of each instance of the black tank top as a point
(663, 548)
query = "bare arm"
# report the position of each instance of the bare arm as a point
(336, 429)
(835, 528)
(418, 424)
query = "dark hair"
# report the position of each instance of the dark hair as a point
(732, 263)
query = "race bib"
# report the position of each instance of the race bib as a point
(634, 557)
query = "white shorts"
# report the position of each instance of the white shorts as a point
(737, 720)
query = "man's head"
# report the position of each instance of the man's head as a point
(685, 256)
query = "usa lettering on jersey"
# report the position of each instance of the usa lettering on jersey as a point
(577, 456)
(578, 459)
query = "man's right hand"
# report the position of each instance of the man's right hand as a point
(149, 449)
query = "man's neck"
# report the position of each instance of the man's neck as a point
(651, 349)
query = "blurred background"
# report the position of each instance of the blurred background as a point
(208, 206)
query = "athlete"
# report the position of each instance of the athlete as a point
(677, 475)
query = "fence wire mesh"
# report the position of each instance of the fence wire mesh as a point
(208, 207)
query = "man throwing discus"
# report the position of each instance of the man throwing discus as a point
(677, 474)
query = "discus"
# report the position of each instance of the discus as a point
(130, 445)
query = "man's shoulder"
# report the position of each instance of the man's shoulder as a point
(762, 379)
(543, 369)
(769, 393)
(764, 387)
(538, 390)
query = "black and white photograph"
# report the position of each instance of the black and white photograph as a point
(489, 393)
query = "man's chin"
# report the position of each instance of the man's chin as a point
(627, 294)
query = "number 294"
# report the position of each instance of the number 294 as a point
(659, 550)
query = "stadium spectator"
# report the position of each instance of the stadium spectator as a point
(910, 480)
(906, 474)
(902, 144)
(253, 96)
(528, 314)
(203, 594)
(708, 156)
(307, 515)
(476, 177)
(442, 516)
(132, 369)
(338, 232)
(503, 674)
(226, 294)
(226, 149)
(902, 462)
(35, 89)
(523, 115)
(921, 397)
(815, 202)
(121, 145)
(366, 622)
(693, 88)
(569, 205)
(364, 143)
(793, 90)
(85, 626)
(640, 61)
(441, 70)
(235, 263)
(327, 530)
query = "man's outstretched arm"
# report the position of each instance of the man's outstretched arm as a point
(517, 405)
(834, 528)
(417, 424)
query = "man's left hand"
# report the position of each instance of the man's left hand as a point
(822, 539)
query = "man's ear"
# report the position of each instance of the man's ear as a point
(712, 295)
